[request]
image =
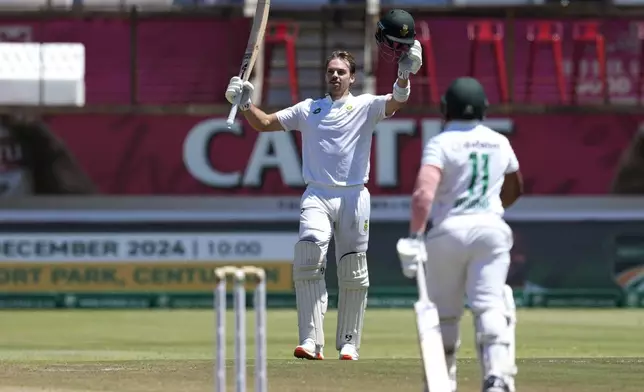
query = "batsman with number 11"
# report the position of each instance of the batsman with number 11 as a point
(469, 175)
(336, 133)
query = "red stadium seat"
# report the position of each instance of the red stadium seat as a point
(548, 33)
(284, 33)
(428, 70)
(585, 33)
(489, 32)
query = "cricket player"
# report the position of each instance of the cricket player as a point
(469, 174)
(336, 145)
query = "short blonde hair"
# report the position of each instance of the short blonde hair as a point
(343, 55)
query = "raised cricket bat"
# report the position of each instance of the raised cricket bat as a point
(252, 48)
(429, 335)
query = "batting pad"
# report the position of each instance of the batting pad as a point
(42, 74)
(493, 341)
(510, 307)
(353, 282)
(310, 291)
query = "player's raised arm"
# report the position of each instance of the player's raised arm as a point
(408, 64)
(395, 36)
(240, 91)
(262, 121)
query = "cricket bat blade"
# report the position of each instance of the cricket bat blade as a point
(255, 40)
(431, 343)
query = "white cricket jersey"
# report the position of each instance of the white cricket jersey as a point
(336, 137)
(474, 160)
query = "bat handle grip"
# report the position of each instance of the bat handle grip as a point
(231, 116)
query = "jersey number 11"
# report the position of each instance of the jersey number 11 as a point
(480, 172)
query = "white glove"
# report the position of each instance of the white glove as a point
(411, 251)
(239, 92)
(411, 61)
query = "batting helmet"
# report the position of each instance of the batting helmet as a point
(395, 34)
(464, 99)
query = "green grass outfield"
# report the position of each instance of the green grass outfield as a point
(172, 350)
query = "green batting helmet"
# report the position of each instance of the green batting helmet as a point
(395, 33)
(464, 99)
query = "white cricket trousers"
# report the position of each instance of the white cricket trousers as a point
(339, 211)
(468, 256)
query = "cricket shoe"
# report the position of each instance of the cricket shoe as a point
(308, 350)
(348, 352)
(495, 384)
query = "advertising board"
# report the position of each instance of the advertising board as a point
(186, 155)
(582, 260)
(137, 263)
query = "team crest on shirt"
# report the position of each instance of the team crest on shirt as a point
(349, 108)
(365, 227)
(318, 110)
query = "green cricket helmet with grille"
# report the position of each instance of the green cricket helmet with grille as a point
(395, 34)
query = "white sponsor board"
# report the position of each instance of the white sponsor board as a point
(129, 247)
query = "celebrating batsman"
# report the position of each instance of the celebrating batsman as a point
(336, 146)
(469, 174)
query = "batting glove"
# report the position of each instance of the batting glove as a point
(411, 251)
(239, 92)
(411, 61)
